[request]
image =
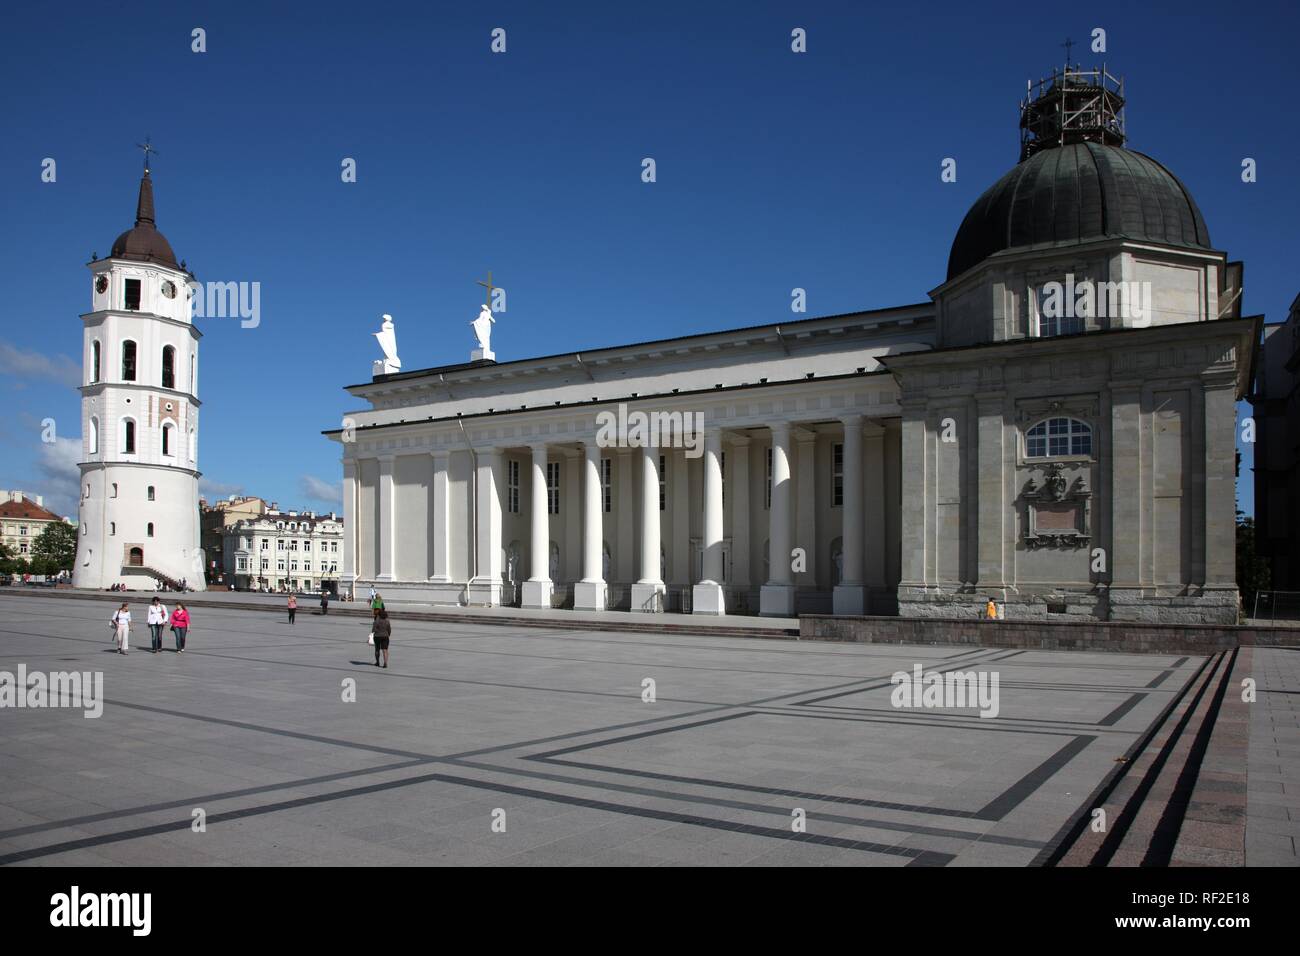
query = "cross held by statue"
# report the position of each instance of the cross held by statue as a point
(487, 299)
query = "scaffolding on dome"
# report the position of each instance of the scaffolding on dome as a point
(1072, 105)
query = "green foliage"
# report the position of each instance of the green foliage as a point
(55, 549)
(1253, 574)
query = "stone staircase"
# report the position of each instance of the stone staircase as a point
(1159, 811)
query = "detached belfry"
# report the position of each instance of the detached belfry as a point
(139, 507)
(1053, 431)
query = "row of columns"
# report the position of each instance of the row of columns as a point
(777, 594)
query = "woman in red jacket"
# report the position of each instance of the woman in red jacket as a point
(180, 624)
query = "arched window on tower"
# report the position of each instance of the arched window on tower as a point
(128, 437)
(168, 367)
(1059, 437)
(94, 362)
(167, 440)
(128, 361)
(148, 530)
(94, 433)
(151, 493)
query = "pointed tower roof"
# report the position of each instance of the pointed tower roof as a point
(143, 241)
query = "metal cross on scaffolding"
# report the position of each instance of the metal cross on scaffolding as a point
(487, 301)
(1067, 44)
(148, 148)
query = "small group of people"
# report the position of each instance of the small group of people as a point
(157, 618)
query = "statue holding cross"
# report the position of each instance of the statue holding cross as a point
(482, 326)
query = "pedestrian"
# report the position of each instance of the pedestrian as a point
(180, 626)
(157, 618)
(372, 592)
(293, 606)
(121, 622)
(376, 603)
(324, 601)
(383, 630)
(991, 610)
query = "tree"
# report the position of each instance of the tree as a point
(55, 548)
(1253, 574)
(8, 563)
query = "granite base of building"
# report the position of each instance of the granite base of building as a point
(1215, 606)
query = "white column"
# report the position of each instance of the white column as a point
(740, 517)
(707, 596)
(805, 522)
(589, 593)
(777, 596)
(538, 587)
(849, 597)
(648, 591)
(349, 576)
(440, 519)
(485, 586)
(385, 535)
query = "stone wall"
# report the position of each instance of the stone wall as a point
(1126, 637)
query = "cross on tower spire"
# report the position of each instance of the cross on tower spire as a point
(148, 148)
(1067, 44)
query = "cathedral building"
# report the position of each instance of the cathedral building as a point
(139, 507)
(1052, 429)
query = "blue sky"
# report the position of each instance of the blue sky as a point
(775, 170)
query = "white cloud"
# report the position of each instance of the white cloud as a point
(33, 365)
(331, 493)
(60, 476)
(212, 490)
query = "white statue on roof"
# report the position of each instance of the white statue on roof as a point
(387, 337)
(482, 327)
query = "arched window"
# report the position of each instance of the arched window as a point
(168, 367)
(1055, 437)
(128, 361)
(112, 527)
(94, 435)
(135, 557)
(148, 530)
(151, 494)
(94, 362)
(114, 495)
(128, 436)
(167, 440)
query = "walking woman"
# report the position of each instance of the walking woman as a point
(157, 618)
(324, 601)
(122, 627)
(293, 606)
(383, 631)
(376, 606)
(180, 626)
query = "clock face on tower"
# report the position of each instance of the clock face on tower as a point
(101, 284)
(169, 289)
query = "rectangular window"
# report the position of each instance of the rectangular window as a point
(279, 565)
(94, 375)
(334, 547)
(293, 545)
(133, 295)
(767, 502)
(837, 475)
(128, 361)
(306, 565)
(243, 564)
(22, 529)
(22, 547)
(1053, 314)
(279, 545)
(663, 482)
(265, 543)
(512, 487)
(265, 564)
(607, 482)
(553, 487)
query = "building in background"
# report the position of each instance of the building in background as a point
(283, 551)
(214, 519)
(1277, 451)
(22, 519)
(139, 508)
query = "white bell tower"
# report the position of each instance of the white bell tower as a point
(139, 509)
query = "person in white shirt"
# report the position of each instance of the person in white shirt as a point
(157, 620)
(122, 627)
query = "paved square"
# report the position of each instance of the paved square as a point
(251, 727)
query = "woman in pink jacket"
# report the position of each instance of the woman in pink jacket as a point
(180, 624)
